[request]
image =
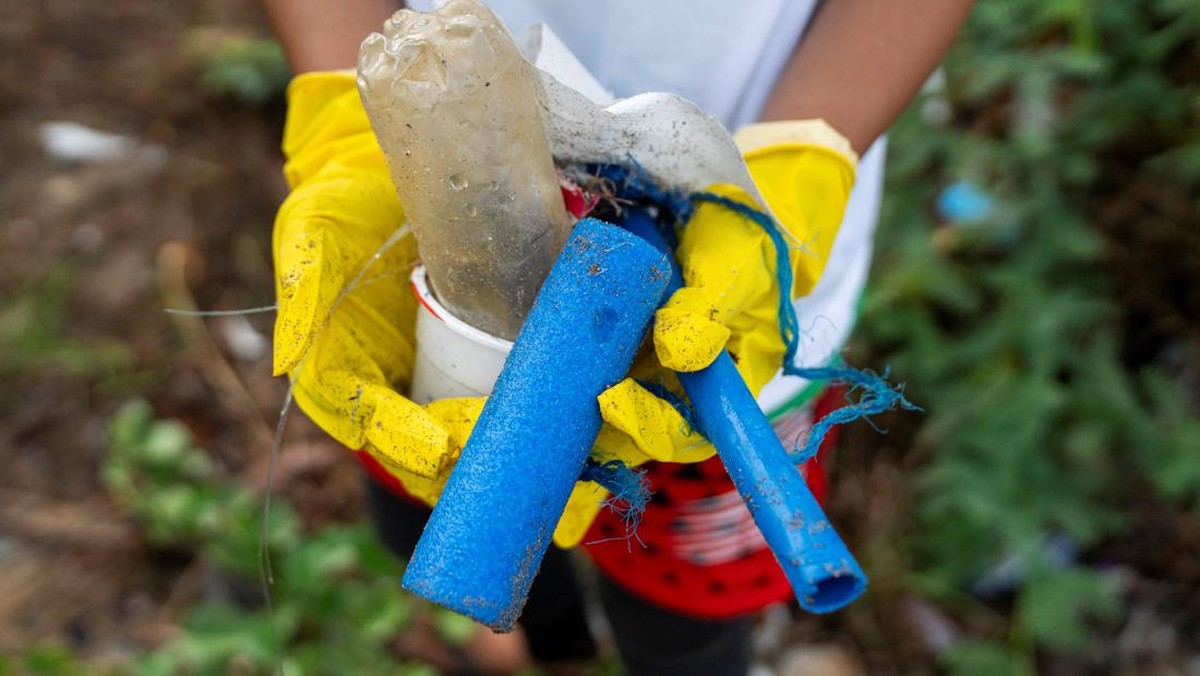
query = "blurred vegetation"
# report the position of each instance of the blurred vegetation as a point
(45, 661)
(335, 602)
(249, 71)
(1047, 329)
(33, 338)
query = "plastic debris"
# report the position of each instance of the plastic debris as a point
(455, 108)
(935, 108)
(828, 659)
(672, 140)
(244, 342)
(490, 528)
(547, 51)
(74, 142)
(935, 629)
(1056, 550)
(963, 202)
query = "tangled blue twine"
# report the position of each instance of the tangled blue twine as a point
(677, 402)
(629, 487)
(878, 396)
(676, 207)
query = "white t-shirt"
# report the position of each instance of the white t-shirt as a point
(725, 57)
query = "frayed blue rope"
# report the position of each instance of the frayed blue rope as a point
(878, 396)
(634, 183)
(677, 402)
(629, 487)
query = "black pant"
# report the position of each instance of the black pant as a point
(651, 640)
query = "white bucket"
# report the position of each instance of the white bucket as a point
(454, 359)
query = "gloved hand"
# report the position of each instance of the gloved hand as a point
(345, 336)
(342, 208)
(730, 298)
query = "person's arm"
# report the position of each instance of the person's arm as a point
(863, 61)
(325, 34)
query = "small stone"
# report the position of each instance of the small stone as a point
(74, 142)
(245, 343)
(87, 238)
(820, 660)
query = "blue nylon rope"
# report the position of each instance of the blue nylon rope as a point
(878, 396)
(676, 207)
(677, 402)
(635, 184)
(629, 487)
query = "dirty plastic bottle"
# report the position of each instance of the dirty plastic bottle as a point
(455, 108)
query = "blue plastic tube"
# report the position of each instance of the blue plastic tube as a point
(489, 531)
(822, 571)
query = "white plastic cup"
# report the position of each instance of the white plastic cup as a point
(454, 359)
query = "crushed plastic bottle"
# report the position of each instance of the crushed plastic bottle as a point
(455, 108)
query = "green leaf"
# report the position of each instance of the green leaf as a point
(129, 426)
(51, 661)
(984, 658)
(455, 629)
(1058, 608)
(249, 71)
(166, 444)
(219, 635)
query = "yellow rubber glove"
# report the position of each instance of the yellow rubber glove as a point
(341, 210)
(345, 327)
(804, 170)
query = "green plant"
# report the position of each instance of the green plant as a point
(250, 71)
(336, 601)
(43, 660)
(154, 471)
(1013, 331)
(33, 333)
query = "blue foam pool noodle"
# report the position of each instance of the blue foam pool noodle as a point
(487, 535)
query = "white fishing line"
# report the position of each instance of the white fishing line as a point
(266, 574)
(220, 313)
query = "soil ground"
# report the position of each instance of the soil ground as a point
(91, 254)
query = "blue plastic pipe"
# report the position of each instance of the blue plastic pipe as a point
(489, 531)
(822, 571)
